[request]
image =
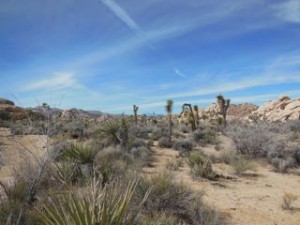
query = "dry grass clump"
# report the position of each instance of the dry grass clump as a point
(288, 200)
(174, 165)
(242, 165)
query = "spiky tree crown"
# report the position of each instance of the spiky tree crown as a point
(135, 108)
(196, 109)
(169, 106)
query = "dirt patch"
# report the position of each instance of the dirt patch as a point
(247, 200)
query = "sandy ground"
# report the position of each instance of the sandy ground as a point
(246, 200)
(15, 150)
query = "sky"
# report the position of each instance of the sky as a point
(110, 54)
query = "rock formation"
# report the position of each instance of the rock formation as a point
(282, 109)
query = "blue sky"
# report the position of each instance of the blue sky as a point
(110, 54)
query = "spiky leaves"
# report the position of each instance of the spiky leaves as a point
(223, 105)
(97, 206)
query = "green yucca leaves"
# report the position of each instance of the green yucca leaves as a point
(97, 207)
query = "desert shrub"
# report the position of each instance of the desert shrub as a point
(228, 157)
(140, 131)
(112, 164)
(200, 166)
(283, 164)
(205, 136)
(296, 154)
(76, 129)
(183, 146)
(165, 143)
(159, 132)
(184, 128)
(242, 165)
(174, 165)
(139, 155)
(161, 219)
(293, 125)
(254, 141)
(168, 195)
(294, 136)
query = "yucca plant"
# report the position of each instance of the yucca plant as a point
(110, 132)
(97, 207)
(67, 172)
(79, 153)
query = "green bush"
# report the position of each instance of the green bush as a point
(205, 136)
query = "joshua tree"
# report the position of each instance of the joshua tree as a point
(135, 109)
(196, 110)
(169, 108)
(191, 115)
(224, 105)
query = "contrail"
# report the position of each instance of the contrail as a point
(125, 17)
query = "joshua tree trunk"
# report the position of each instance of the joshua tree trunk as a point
(169, 107)
(224, 105)
(135, 109)
(192, 116)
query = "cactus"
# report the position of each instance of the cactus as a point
(135, 109)
(169, 108)
(224, 105)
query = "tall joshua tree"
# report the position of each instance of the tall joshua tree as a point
(169, 108)
(196, 110)
(191, 114)
(135, 109)
(224, 105)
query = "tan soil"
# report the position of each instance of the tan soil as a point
(248, 200)
(16, 150)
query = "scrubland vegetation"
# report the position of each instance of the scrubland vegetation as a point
(94, 173)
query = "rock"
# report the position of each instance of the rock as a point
(282, 110)
(284, 97)
(4, 101)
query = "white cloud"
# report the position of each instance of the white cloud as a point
(289, 11)
(179, 73)
(57, 81)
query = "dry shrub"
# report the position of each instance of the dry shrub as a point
(168, 195)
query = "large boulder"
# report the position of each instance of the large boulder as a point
(282, 109)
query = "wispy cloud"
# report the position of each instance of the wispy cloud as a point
(127, 19)
(179, 73)
(289, 10)
(57, 81)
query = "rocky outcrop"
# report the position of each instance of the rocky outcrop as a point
(78, 114)
(241, 111)
(5, 102)
(237, 111)
(282, 109)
